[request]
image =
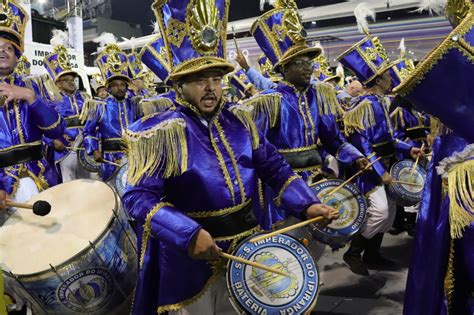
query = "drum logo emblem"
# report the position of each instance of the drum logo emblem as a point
(88, 290)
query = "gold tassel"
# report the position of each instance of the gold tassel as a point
(267, 104)
(461, 197)
(157, 149)
(449, 277)
(152, 106)
(395, 116)
(244, 114)
(359, 118)
(327, 100)
(89, 109)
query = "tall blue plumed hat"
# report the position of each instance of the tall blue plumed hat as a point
(155, 57)
(113, 64)
(135, 66)
(57, 63)
(240, 80)
(281, 35)
(13, 19)
(367, 59)
(441, 83)
(195, 34)
(402, 67)
(23, 66)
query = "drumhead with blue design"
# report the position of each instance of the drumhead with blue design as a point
(352, 208)
(407, 194)
(88, 162)
(121, 179)
(256, 291)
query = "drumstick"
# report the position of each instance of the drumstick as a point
(235, 40)
(111, 163)
(416, 161)
(287, 229)
(255, 264)
(353, 176)
(406, 183)
(40, 207)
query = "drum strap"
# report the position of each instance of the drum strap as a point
(303, 159)
(21, 155)
(73, 122)
(384, 150)
(230, 224)
(112, 145)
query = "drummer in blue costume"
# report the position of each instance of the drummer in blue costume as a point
(105, 121)
(25, 117)
(441, 275)
(193, 172)
(368, 126)
(59, 68)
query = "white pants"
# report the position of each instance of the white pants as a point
(26, 190)
(69, 167)
(380, 215)
(333, 164)
(215, 301)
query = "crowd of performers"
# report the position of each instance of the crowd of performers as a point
(227, 152)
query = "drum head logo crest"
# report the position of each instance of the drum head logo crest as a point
(88, 290)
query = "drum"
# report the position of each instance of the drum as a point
(352, 208)
(79, 259)
(87, 161)
(256, 291)
(407, 188)
(121, 179)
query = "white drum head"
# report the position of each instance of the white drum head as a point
(80, 212)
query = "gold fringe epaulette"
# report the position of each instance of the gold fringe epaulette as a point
(266, 104)
(328, 103)
(359, 118)
(89, 109)
(244, 113)
(437, 128)
(397, 116)
(152, 106)
(461, 197)
(47, 89)
(162, 148)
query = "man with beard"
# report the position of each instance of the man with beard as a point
(106, 120)
(193, 171)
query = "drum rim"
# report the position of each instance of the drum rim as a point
(38, 275)
(393, 188)
(81, 156)
(235, 302)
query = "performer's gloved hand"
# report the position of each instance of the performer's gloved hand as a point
(97, 156)
(203, 246)
(386, 178)
(3, 199)
(321, 209)
(416, 152)
(13, 92)
(58, 145)
(362, 164)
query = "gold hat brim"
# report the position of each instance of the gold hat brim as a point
(296, 51)
(334, 77)
(381, 71)
(116, 77)
(197, 65)
(64, 73)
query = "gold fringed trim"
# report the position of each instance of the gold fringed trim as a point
(327, 100)
(461, 197)
(152, 106)
(163, 147)
(397, 116)
(244, 113)
(266, 104)
(238, 236)
(89, 109)
(261, 196)
(147, 228)
(284, 188)
(449, 276)
(359, 118)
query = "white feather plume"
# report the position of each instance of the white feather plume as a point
(270, 2)
(402, 47)
(59, 38)
(318, 44)
(130, 42)
(156, 28)
(433, 6)
(340, 70)
(362, 12)
(105, 39)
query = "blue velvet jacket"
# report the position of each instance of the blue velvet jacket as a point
(22, 126)
(105, 122)
(185, 169)
(369, 129)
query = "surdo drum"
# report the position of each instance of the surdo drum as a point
(404, 193)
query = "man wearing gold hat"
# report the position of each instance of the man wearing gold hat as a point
(193, 172)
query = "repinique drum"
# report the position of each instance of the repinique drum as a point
(407, 187)
(352, 208)
(256, 291)
(79, 259)
(87, 161)
(121, 179)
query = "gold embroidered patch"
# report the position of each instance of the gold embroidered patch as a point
(176, 32)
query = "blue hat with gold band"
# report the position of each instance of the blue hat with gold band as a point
(154, 56)
(135, 66)
(23, 66)
(113, 64)
(195, 35)
(400, 70)
(281, 35)
(240, 80)
(441, 84)
(13, 19)
(57, 63)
